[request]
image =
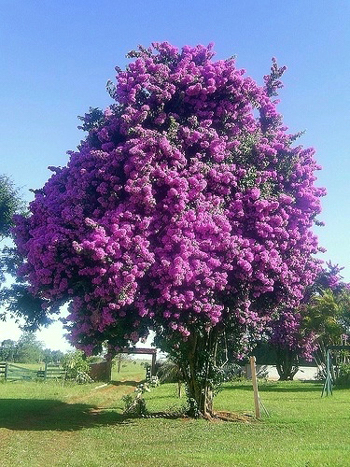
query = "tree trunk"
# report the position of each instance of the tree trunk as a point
(286, 364)
(199, 374)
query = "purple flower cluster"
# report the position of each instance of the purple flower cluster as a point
(186, 205)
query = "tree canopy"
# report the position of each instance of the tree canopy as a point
(186, 210)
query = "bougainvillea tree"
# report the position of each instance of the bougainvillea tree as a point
(303, 333)
(292, 340)
(186, 210)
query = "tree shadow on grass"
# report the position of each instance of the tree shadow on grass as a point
(55, 415)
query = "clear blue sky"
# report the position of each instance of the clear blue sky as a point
(56, 57)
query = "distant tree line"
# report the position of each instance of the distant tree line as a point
(28, 349)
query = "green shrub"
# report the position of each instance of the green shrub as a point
(75, 364)
(135, 404)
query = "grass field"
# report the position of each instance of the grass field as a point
(58, 424)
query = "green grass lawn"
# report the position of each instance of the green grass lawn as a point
(60, 424)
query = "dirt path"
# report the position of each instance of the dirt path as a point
(105, 396)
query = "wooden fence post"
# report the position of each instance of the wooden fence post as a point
(255, 387)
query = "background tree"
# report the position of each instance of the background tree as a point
(344, 302)
(52, 356)
(292, 342)
(186, 210)
(8, 350)
(328, 314)
(29, 349)
(10, 203)
(318, 322)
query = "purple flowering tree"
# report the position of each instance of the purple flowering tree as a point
(292, 341)
(305, 332)
(186, 210)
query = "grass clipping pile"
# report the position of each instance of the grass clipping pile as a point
(234, 417)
